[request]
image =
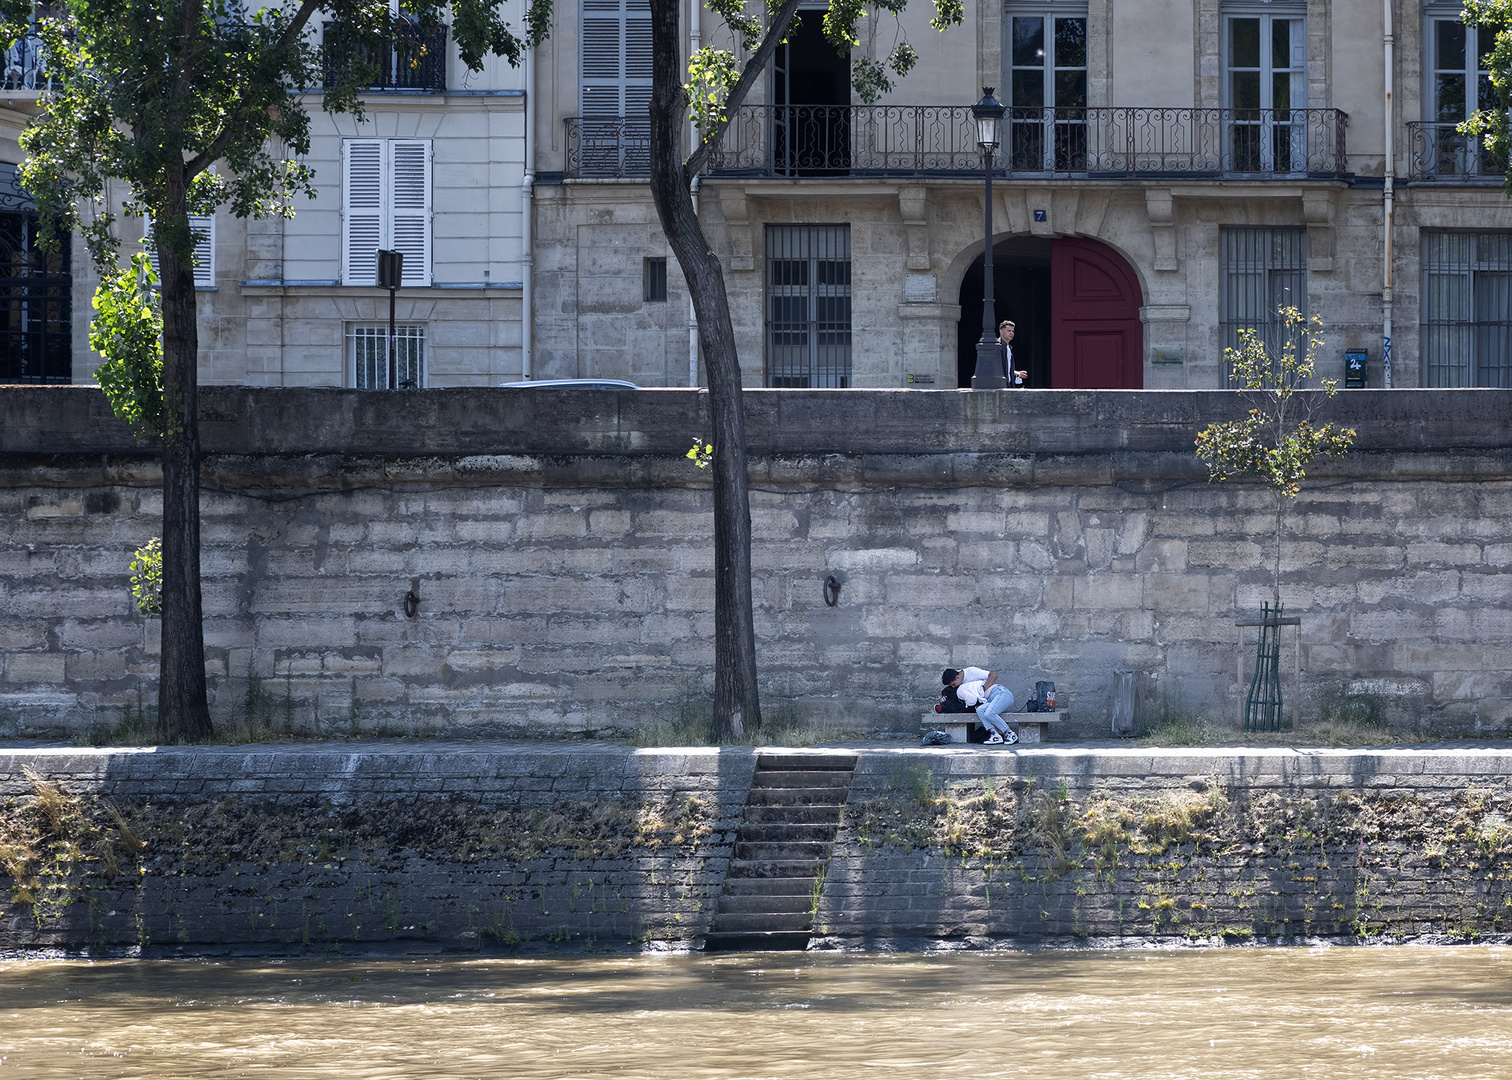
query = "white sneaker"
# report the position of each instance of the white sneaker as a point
(1010, 737)
(995, 739)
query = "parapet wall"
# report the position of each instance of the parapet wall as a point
(560, 546)
(322, 848)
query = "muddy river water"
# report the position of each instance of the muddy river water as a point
(1215, 1014)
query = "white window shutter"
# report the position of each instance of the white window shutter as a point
(362, 207)
(638, 55)
(410, 204)
(601, 66)
(149, 245)
(204, 249)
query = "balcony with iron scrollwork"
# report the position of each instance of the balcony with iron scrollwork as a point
(1439, 154)
(408, 59)
(608, 147)
(25, 70)
(940, 140)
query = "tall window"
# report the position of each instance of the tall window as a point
(368, 350)
(1459, 85)
(1467, 309)
(1265, 79)
(808, 305)
(1264, 269)
(36, 287)
(615, 96)
(1045, 62)
(386, 206)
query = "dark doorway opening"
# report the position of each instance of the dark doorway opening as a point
(1021, 292)
(36, 294)
(811, 95)
(1075, 303)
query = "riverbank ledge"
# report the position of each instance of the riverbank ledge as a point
(328, 848)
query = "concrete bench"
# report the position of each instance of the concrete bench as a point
(1032, 727)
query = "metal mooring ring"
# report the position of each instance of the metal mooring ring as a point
(831, 590)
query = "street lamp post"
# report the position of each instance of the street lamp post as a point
(989, 364)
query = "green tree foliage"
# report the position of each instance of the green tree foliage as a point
(127, 329)
(147, 577)
(177, 107)
(1277, 440)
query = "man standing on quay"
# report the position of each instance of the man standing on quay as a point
(1005, 339)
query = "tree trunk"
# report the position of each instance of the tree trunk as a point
(183, 714)
(736, 705)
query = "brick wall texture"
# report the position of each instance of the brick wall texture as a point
(562, 558)
(495, 847)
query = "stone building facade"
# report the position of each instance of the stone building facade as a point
(435, 170)
(1169, 172)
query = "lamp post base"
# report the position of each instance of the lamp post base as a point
(989, 367)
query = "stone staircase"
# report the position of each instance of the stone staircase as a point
(781, 853)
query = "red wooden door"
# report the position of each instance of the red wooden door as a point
(1096, 338)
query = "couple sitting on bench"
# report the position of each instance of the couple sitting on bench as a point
(991, 699)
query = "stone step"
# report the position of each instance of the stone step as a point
(745, 922)
(757, 833)
(769, 886)
(745, 869)
(796, 796)
(765, 905)
(810, 851)
(757, 941)
(831, 762)
(826, 814)
(776, 778)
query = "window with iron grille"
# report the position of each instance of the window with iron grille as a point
(36, 309)
(1264, 270)
(808, 306)
(368, 351)
(1467, 309)
(654, 276)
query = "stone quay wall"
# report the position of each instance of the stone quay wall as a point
(494, 847)
(559, 544)
(320, 849)
(1067, 847)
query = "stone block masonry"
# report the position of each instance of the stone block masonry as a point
(493, 847)
(1116, 847)
(560, 547)
(320, 849)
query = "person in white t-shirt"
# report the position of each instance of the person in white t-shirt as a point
(980, 688)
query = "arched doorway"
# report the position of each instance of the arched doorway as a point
(1076, 305)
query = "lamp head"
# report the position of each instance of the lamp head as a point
(988, 114)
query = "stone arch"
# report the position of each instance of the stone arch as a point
(1076, 300)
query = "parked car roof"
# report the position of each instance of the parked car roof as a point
(581, 384)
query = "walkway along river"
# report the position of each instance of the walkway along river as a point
(347, 849)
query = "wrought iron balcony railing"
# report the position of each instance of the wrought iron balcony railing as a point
(1440, 154)
(608, 146)
(24, 69)
(409, 59)
(940, 140)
